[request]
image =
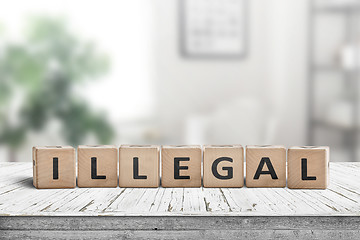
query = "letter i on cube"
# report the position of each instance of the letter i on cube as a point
(54, 167)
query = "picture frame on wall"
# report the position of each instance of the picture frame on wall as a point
(213, 28)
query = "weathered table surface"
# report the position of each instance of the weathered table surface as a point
(280, 210)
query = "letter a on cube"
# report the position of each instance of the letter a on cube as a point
(265, 166)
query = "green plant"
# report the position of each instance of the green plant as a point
(44, 71)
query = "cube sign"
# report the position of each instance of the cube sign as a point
(54, 167)
(308, 167)
(139, 166)
(97, 166)
(267, 166)
(223, 166)
(181, 166)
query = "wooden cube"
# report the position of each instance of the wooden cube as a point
(223, 166)
(139, 166)
(54, 167)
(308, 167)
(265, 166)
(181, 166)
(97, 166)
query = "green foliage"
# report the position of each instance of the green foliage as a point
(45, 69)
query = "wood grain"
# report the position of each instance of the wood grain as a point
(106, 166)
(43, 164)
(148, 158)
(18, 197)
(193, 171)
(233, 153)
(187, 234)
(277, 157)
(317, 161)
(180, 227)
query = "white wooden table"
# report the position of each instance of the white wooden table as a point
(265, 213)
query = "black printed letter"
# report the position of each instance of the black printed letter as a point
(228, 169)
(304, 170)
(136, 169)
(55, 168)
(94, 170)
(270, 167)
(177, 167)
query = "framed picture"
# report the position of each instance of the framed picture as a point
(213, 28)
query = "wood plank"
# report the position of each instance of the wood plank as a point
(18, 197)
(82, 223)
(205, 234)
(171, 201)
(184, 227)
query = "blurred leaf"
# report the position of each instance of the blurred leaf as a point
(46, 68)
(22, 67)
(12, 136)
(5, 90)
(79, 121)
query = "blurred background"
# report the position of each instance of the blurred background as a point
(179, 72)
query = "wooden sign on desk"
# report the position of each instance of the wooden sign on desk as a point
(54, 167)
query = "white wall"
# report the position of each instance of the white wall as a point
(274, 71)
(288, 59)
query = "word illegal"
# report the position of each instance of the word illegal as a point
(139, 166)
